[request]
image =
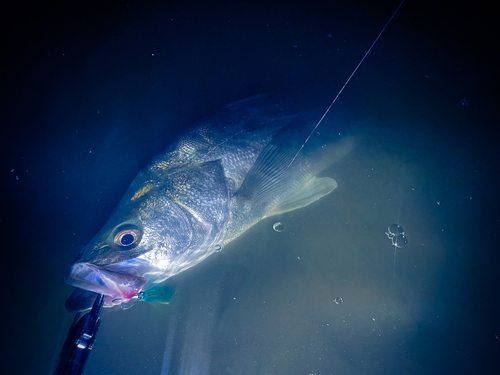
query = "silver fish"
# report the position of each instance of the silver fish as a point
(214, 183)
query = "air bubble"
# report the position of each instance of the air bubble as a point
(396, 234)
(278, 227)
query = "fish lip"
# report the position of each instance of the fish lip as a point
(120, 286)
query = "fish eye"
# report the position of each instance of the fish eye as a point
(127, 237)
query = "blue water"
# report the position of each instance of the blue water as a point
(94, 91)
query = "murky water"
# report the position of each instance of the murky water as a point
(95, 106)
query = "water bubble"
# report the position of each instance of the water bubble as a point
(218, 248)
(278, 227)
(338, 300)
(396, 234)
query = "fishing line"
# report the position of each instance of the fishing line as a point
(405, 240)
(345, 84)
(394, 276)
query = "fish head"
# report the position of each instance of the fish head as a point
(111, 265)
(161, 227)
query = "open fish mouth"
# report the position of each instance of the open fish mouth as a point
(121, 287)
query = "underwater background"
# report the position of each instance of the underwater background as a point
(91, 91)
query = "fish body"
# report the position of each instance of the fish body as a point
(225, 175)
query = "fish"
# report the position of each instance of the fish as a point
(244, 164)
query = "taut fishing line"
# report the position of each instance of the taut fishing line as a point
(346, 82)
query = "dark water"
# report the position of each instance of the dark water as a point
(92, 92)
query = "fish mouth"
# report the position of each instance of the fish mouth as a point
(121, 287)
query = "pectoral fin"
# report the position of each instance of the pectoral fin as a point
(309, 193)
